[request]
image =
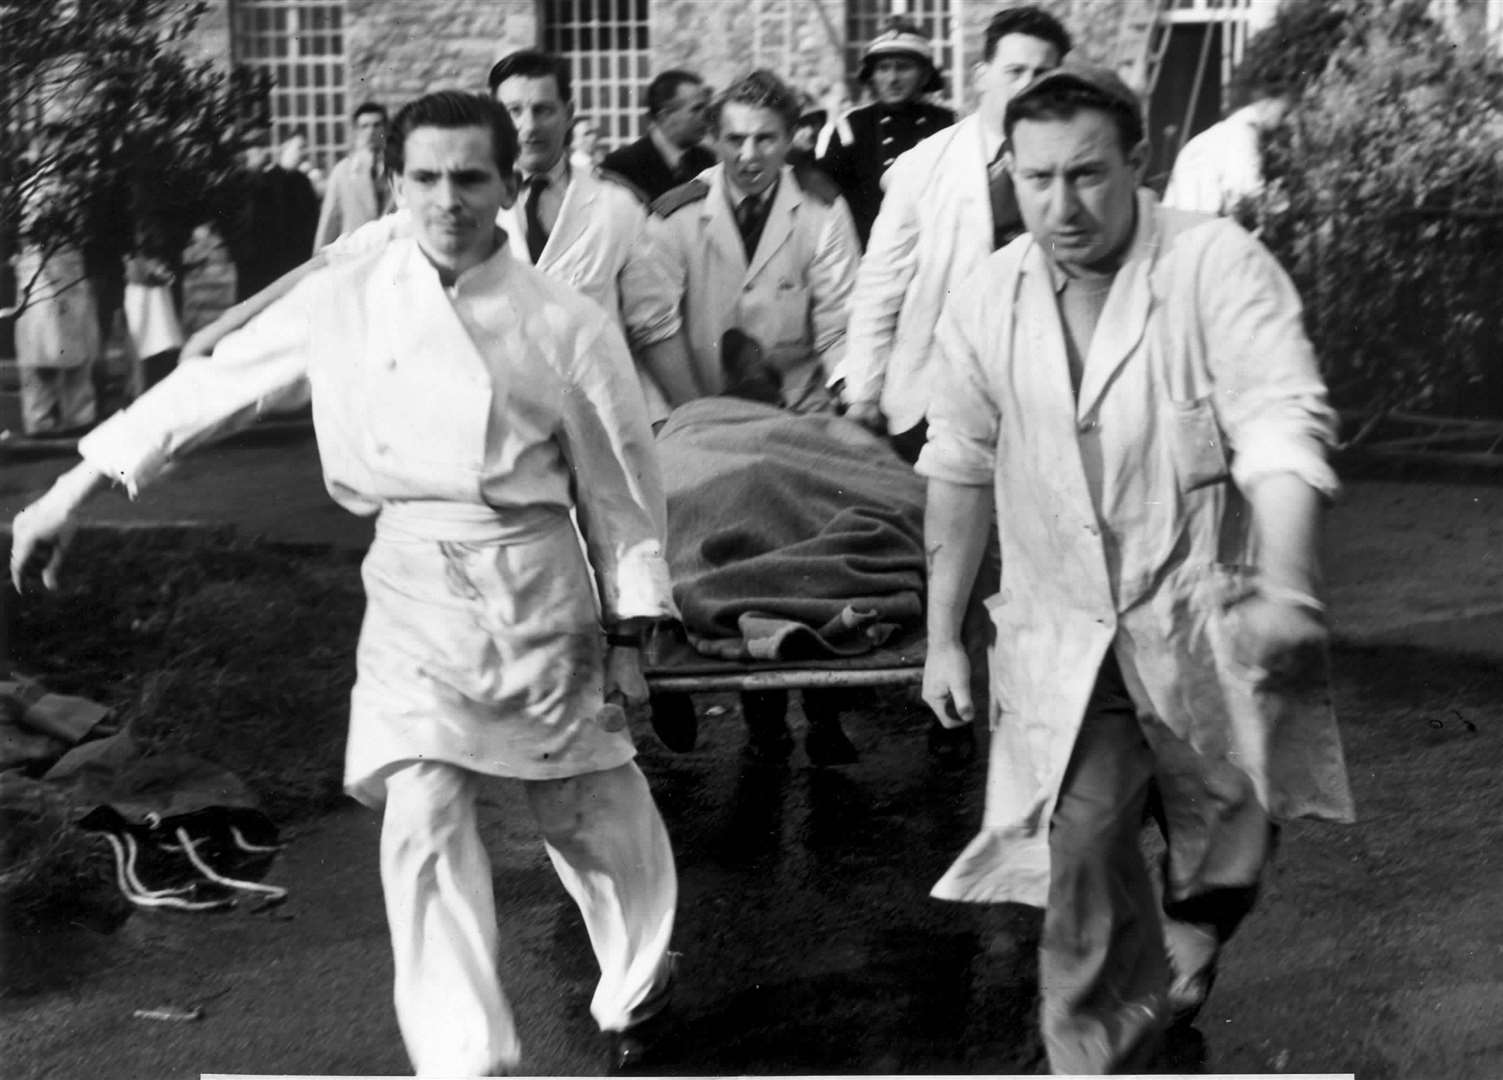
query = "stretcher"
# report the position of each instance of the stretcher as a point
(674, 667)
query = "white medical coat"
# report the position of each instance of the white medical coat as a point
(1120, 522)
(471, 419)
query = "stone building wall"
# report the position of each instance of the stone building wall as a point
(399, 49)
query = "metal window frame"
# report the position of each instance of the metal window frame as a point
(609, 79)
(305, 55)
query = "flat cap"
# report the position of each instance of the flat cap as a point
(1079, 75)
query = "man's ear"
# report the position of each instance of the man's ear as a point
(1138, 157)
(509, 189)
(394, 180)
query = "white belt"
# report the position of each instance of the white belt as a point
(426, 521)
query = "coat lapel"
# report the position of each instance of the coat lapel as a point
(779, 227)
(573, 215)
(1125, 317)
(720, 224)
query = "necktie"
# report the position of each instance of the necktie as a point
(537, 236)
(749, 221)
(1006, 221)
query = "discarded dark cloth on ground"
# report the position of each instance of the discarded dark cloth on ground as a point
(185, 832)
(790, 537)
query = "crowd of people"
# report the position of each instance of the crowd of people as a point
(1118, 415)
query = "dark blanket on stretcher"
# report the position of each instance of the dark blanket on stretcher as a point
(789, 537)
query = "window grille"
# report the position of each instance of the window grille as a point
(606, 44)
(938, 19)
(301, 44)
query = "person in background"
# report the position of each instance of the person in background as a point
(57, 333)
(278, 216)
(586, 151)
(949, 203)
(469, 403)
(897, 68)
(1223, 166)
(357, 191)
(1127, 395)
(768, 257)
(672, 151)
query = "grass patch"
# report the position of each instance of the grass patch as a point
(207, 644)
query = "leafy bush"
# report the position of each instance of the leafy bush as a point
(1383, 204)
(129, 144)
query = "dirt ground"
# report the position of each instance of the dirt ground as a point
(809, 943)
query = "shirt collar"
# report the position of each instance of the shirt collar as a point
(735, 194)
(558, 176)
(991, 141)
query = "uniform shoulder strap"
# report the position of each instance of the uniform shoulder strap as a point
(675, 199)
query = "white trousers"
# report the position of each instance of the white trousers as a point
(607, 842)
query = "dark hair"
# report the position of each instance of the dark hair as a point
(368, 107)
(1063, 100)
(532, 64)
(763, 90)
(453, 109)
(1030, 21)
(664, 88)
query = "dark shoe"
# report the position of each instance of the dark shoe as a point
(640, 1047)
(766, 716)
(675, 721)
(769, 747)
(826, 744)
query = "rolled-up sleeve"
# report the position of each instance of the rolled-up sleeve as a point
(650, 299)
(963, 415)
(258, 369)
(1270, 396)
(619, 490)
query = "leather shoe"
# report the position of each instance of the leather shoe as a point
(675, 721)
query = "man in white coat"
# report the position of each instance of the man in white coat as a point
(1129, 394)
(750, 245)
(470, 402)
(754, 248)
(591, 234)
(948, 204)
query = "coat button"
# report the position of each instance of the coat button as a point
(888, 161)
(887, 140)
(391, 363)
(1087, 425)
(886, 120)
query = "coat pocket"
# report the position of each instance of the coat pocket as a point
(1199, 448)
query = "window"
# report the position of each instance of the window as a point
(301, 44)
(865, 19)
(606, 44)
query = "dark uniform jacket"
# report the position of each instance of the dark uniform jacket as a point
(641, 165)
(865, 141)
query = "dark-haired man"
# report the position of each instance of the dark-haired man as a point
(356, 191)
(672, 152)
(471, 403)
(1129, 394)
(948, 204)
(897, 67)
